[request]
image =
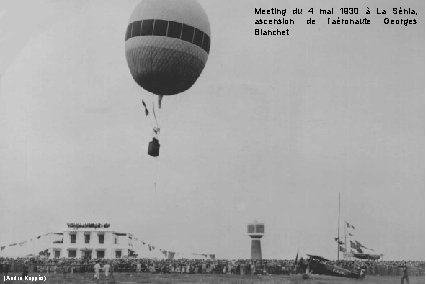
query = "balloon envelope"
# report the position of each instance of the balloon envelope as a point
(167, 44)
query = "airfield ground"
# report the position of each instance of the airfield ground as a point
(212, 278)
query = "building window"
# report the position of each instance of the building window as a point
(250, 229)
(100, 254)
(73, 238)
(87, 238)
(57, 253)
(118, 254)
(115, 240)
(72, 253)
(101, 238)
(87, 254)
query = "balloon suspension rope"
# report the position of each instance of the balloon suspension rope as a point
(157, 132)
(157, 177)
(155, 117)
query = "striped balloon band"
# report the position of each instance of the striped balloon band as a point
(170, 29)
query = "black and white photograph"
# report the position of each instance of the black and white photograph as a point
(212, 141)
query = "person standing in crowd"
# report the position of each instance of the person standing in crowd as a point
(405, 274)
(106, 269)
(112, 269)
(97, 267)
(63, 268)
(25, 269)
(301, 266)
(6, 267)
(203, 268)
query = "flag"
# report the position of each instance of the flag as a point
(14, 244)
(146, 109)
(149, 246)
(351, 235)
(2, 247)
(338, 241)
(297, 256)
(359, 245)
(38, 237)
(171, 255)
(350, 226)
(342, 249)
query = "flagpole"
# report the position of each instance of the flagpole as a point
(338, 232)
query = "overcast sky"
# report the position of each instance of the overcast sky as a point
(272, 131)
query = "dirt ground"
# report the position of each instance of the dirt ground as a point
(209, 278)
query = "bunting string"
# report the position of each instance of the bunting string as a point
(168, 254)
(27, 241)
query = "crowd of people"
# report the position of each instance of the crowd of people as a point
(195, 266)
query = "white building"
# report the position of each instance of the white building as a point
(90, 240)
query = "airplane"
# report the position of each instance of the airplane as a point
(320, 265)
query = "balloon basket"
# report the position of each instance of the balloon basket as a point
(154, 147)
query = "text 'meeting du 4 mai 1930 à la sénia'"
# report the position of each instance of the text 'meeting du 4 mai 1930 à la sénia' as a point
(278, 21)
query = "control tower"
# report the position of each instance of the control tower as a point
(256, 231)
